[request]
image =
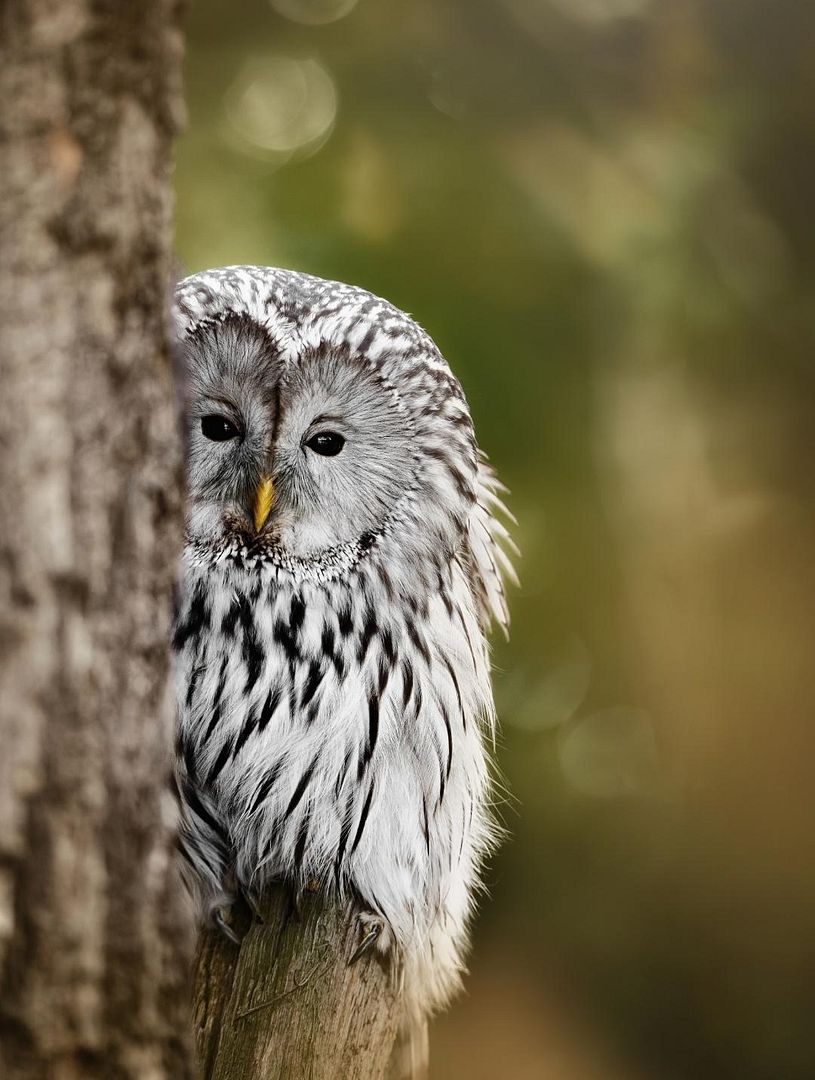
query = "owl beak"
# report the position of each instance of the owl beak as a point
(264, 501)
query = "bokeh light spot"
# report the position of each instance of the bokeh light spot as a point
(612, 753)
(553, 698)
(601, 11)
(281, 106)
(313, 12)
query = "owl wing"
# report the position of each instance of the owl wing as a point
(491, 548)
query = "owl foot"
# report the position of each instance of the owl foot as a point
(295, 894)
(220, 921)
(371, 929)
(294, 897)
(252, 903)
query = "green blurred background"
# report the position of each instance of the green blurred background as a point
(601, 211)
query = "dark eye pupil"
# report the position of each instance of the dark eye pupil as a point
(327, 443)
(218, 428)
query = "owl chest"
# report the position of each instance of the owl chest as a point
(306, 717)
(269, 683)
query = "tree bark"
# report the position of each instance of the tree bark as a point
(286, 1005)
(94, 935)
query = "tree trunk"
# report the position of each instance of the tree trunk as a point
(286, 1005)
(94, 936)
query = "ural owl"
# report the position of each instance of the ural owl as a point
(344, 559)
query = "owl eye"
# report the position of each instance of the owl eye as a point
(218, 428)
(327, 443)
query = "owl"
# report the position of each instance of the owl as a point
(344, 559)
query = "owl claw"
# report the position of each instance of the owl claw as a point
(225, 928)
(295, 896)
(253, 904)
(371, 935)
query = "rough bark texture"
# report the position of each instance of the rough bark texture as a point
(286, 1005)
(94, 935)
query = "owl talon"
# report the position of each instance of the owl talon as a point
(253, 904)
(294, 896)
(225, 928)
(368, 941)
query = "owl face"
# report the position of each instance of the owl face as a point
(319, 419)
(304, 457)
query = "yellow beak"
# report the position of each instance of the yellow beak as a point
(264, 501)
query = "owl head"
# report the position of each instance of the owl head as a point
(320, 422)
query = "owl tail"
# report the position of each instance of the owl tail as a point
(409, 1058)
